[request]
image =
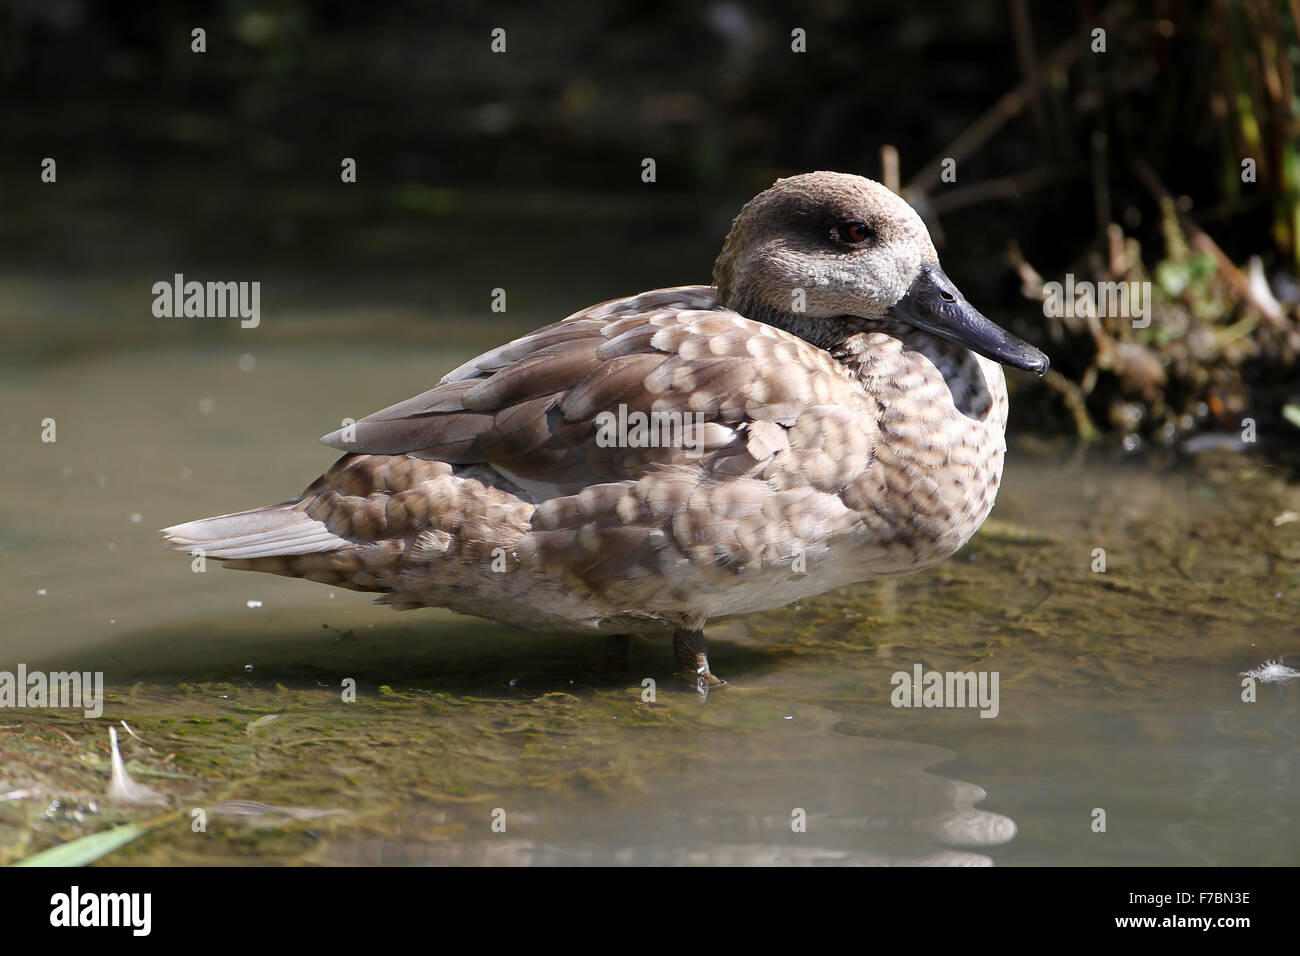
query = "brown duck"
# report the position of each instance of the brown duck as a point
(831, 410)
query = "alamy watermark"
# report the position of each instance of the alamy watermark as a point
(128, 910)
(951, 689)
(637, 429)
(1121, 300)
(84, 689)
(208, 300)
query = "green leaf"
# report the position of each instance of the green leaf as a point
(1292, 414)
(86, 849)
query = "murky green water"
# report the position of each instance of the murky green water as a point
(1119, 691)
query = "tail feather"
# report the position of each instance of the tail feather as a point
(274, 531)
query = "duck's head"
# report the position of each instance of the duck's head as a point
(822, 246)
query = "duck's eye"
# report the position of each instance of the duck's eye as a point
(855, 232)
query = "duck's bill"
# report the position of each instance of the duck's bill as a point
(935, 305)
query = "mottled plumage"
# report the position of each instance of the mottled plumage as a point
(825, 446)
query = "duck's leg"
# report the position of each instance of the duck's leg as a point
(693, 658)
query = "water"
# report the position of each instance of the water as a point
(1120, 691)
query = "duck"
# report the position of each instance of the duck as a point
(830, 410)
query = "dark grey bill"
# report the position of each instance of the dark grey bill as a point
(934, 304)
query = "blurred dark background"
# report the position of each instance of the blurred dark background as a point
(522, 170)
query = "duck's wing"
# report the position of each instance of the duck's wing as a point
(573, 404)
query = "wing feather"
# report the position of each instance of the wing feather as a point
(755, 400)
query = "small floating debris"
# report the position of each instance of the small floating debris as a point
(1272, 672)
(253, 603)
(260, 723)
(121, 788)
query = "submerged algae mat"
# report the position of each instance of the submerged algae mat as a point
(1119, 690)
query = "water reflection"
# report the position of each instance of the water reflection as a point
(864, 802)
(1119, 690)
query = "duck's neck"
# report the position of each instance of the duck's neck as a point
(897, 363)
(825, 333)
(974, 385)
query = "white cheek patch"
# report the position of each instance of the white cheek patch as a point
(883, 276)
(820, 279)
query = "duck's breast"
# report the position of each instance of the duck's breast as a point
(938, 461)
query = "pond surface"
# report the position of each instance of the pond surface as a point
(1119, 690)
